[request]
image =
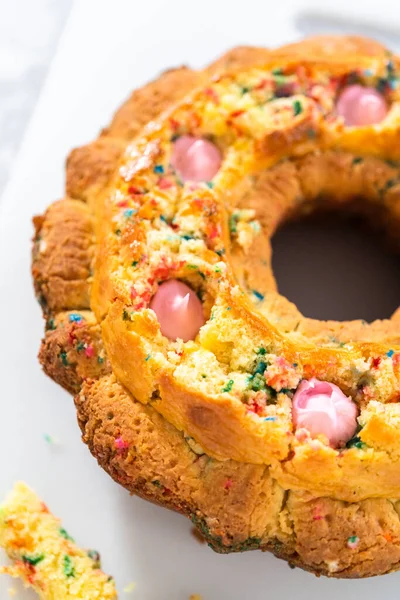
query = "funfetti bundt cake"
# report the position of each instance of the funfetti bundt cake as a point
(197, 385)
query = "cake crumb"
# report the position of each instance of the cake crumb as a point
(128, 589)
(50, 439)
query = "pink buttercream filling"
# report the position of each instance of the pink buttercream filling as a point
(178, 309)
(195, 159)
(359, 105)
(322, 408)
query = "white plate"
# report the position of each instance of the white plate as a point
(108, 49)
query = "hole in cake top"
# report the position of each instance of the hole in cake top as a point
(333, 267)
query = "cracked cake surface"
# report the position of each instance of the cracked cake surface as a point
(206, 426)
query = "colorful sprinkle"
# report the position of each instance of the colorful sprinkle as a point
(237, 113)
(258, 295)
(64, 359)
(260, 368)
(356, 442)
(134, 191)
(68, 567)
(353, 541)
(390, 353)
(270, 419)
(297, 108)
(211, 93)
(95, 556)
(164, 183)
(89, 351)
(33, 560)
(158, 169)
(228, 484)
(233, 221)
(228, 387)
(65, 534)
(317, 516)
(376, 362)
(120, 444)
(75, 318)
(52, 441)
(256, 381)
(51, 325)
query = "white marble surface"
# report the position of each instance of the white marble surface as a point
(29, 32)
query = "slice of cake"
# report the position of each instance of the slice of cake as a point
(45, 557)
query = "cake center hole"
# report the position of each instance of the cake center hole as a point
(335, 268)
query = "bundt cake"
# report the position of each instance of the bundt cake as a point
(197, 385)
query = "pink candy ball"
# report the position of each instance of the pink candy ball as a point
(322, 408)
(178, 309)
(195, 159)
(359, 105)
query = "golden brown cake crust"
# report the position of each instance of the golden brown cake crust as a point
(62, 256)
(236, 506)
(187, 447)
(335, 46)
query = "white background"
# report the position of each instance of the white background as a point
(107, 49)
(29, 32)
